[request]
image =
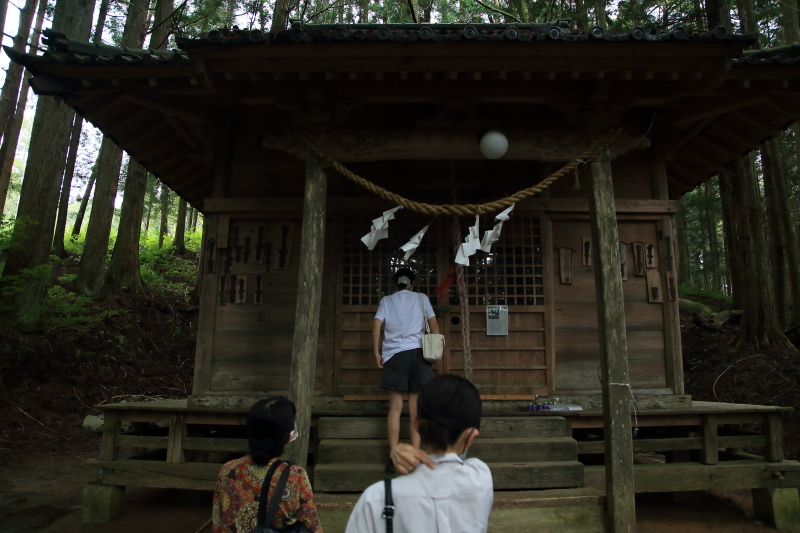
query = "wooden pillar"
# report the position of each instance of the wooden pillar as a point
(710, 452)
(620, 502)
(672, 314)
(309, 292)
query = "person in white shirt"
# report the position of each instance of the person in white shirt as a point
(453, 496)
(403, 316)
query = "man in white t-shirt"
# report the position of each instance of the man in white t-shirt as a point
(403, 316)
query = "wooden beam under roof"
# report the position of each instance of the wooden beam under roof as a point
(555, 205)
(376, 145)
(757, 126)
(702, 160)
(734, 156)
(703, 112)
(166, 108)
(181, 130)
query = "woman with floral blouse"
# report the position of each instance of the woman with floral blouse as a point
(270, 427)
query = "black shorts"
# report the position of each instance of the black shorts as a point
(406, 371)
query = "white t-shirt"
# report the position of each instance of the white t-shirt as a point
(455, 497)
(403, 321)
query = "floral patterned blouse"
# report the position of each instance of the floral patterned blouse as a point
(239, 487)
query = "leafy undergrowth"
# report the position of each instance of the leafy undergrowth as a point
(119, 347)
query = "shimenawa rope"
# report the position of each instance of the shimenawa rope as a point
(327, 161)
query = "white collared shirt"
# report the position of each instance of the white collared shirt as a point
(455, 497)
(403, 321)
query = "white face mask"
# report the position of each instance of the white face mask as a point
(463, 455)
(294, 434)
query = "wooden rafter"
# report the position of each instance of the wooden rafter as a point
(706, 112)
(719, 147)
(166, 109)
(757, 126)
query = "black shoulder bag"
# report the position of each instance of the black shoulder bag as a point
(265, 518)
(388, 509)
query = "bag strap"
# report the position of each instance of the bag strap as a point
(388, 509)
(265, 517)
(422, 305)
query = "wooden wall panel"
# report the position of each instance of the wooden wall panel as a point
(575, 309)
(582, 316)
(252, 346)
(630, 182)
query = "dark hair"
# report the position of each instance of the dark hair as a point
(269, 424)
(447, 405)
(407, 272)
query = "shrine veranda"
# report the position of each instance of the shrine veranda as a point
(222, 122)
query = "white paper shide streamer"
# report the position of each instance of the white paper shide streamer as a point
(493, 235)
(470, 245)
(380, 228)
(411, 246)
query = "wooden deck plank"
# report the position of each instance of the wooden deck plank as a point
(678, 477)
(361, 451)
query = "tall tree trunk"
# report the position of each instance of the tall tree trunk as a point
(164, 229)
(161, 24)
(38, 200)
(280, 15)
(10, 92)
(731, 236)
(95, 249)
(91, 271)
(581, 15)
(8, 149)
(713, 241)
(194, 220)
(76, 228)
(719, 14)
(683, 247)
(777, 238)
(600, 14)
(123, 270)
(747, 16)
(66, 187)
(180, 228)
(759, 325)
(789, 21)
(783, 218)
(97, 38)
(3, 13)
(636, 13)
(147, 220)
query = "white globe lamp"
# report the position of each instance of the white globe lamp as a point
(494, 144)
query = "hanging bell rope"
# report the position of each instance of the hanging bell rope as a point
(328, 162)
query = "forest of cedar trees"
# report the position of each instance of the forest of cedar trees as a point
(97, 297)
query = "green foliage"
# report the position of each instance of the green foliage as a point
(59, 308)
(167, 272)
(686, 290)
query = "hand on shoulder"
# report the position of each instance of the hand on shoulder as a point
(406, 458)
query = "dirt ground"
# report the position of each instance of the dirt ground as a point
(43, 496)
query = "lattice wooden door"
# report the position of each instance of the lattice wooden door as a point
(513, 274)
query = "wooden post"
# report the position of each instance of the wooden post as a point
(774, 451)
(620, 503)
(309, 291)
(177, 432)
(710, 452)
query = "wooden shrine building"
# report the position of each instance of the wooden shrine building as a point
(224, 122)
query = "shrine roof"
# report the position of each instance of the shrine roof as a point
(706, 98)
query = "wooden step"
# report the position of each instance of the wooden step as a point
(532, 426)
(376, 451)
(507, 476)
(544, 511)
